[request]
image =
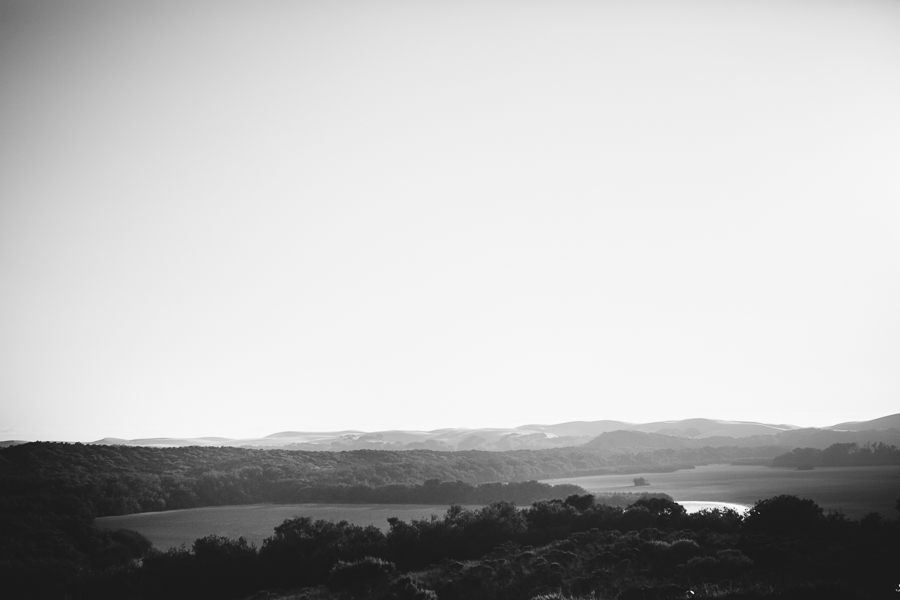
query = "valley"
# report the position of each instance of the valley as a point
(854, 490)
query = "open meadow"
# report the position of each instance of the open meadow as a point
(256, 522)
(854, 490)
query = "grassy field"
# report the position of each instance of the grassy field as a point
(256, 521)
(855, 490)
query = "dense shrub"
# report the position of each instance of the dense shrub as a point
(668, 511)
(407, 588)
(576, 547)
(682, 550)
(316, 546)
(720, 520)
(784, 515)
(836, 455)
(492, 553)
(226, 567)
(580, 502)
(365, 571)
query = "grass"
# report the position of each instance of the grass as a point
(256, 522)
(855, 490)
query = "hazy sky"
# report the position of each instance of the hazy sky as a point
(241, 218)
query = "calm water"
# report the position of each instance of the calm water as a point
(693, 506)
(855, 490)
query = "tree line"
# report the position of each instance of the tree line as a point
(558, 549)
(840, 455)
(51, 492)
(116, 480)
(617, 545)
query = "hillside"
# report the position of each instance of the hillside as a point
(639, 440)
(795, 438)
(822, 438)
(123, 479)
(686, 433)
(525, 437)
(888, 422)
(840, 455)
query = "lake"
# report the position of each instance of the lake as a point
(855, 490)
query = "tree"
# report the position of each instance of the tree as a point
(581, 502)
(666, 510)
(784, 514)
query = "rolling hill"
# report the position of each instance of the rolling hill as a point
(687, 433)
(888, 422)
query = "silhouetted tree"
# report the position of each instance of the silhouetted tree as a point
(783, 515)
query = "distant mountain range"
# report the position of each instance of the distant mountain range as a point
(686, 433)
(797, 438)
(888, 422)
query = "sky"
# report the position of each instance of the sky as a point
(239, 218)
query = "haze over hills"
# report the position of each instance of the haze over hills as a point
(7, 443)
(606, 433)
(691, 428)
(797, 438)
(888, 422)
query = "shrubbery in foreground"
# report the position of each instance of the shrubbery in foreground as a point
(574, 548)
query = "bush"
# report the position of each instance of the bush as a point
(138, 545)
(406, 588)
(580, 502)
(682, 550)
(660, 592)
(727, 564)
(315, 547)
(719, 520)
(734, 559)
(872, 521)
(666, 512)
(365, 571)
(703, 566)
(784, 515)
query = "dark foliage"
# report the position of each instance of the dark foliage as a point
(116, 480)
(48, 544)
(784, 515)
(840, 455)
(573, 547)
(303, 551)
(367, 571)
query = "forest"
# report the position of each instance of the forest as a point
(560, 549)
(531, 540)
(840, 455)
(117, 480)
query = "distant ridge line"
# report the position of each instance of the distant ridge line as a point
(695, 432)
